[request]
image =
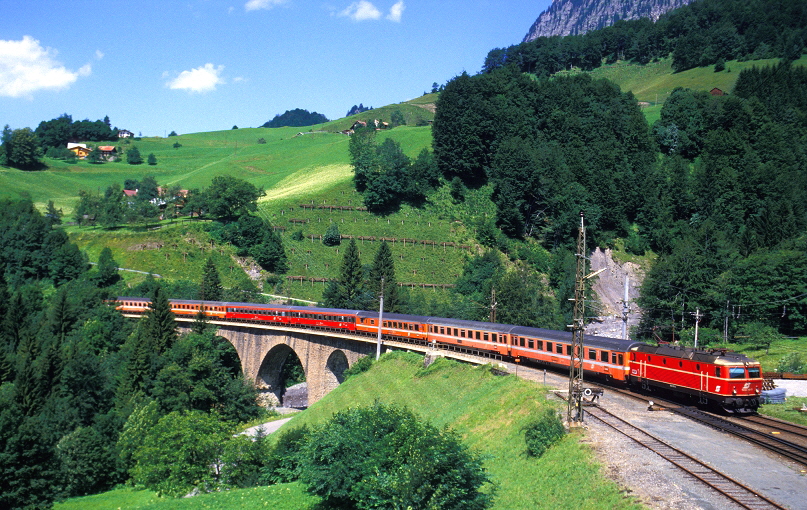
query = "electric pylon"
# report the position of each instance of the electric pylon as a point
(575, 409)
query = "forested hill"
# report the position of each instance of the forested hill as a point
(296, 118)
(573, 17)
(702, 33)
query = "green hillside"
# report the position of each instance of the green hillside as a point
(489, 411)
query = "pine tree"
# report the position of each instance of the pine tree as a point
(384, 267)
(159, 322)
(107, 268)
(211, 289)
(349, 291)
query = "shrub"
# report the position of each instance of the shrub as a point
(332, 236)
(297, 236)
(543, 432)
(362, 365)
(283, 462)
(382, 456)
(791, 363)
(261, 140)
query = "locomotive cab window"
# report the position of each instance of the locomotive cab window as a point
(736, 373)
(753, 372)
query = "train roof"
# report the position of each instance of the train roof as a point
(598, 342)
(717, 356)
(337, 311)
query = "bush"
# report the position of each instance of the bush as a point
(543, 432)
(283, 462)
(332, 236)
(362, 365)
(297, 236)
(382, 456)
(790, 363)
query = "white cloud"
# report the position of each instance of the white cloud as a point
(99, 54)
(201, 79)
(396, 11)
(26, 67)
(361, 11)
(254, 5)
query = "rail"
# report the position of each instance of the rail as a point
(730, 488)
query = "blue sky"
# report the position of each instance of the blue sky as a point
(204, 65)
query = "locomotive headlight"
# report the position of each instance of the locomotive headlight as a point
(734, 391)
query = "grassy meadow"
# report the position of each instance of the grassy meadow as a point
(489, 412)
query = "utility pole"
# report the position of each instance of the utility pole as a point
(698, 316)
(574, 414)
(493, 304)
(625, 311)
(380, 320)
(726, 325)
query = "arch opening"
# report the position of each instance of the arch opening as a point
(335, 370)
(281, 379)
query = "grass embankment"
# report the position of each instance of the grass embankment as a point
(488, 411)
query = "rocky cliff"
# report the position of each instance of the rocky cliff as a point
(572, 17)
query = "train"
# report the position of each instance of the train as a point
(715, 377)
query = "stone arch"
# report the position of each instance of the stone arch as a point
(335, 370)
(267, 381)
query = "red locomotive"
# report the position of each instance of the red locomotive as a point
(718, 377)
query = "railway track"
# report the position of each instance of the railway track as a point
(761, 430)
(725, 485)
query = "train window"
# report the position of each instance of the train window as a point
(680, 364)
(485, 337)
(649, 359)
(539, 344)
(569, 350)
(613, 357)
(717, 371)
(531, 343)
(549, 346)
(523, 343)
(462, 333)
(664, 361)
(604, 356)
(697, 366)
(592, 354)
(477, 335)
(559, 348)
(455, 332)
(442, 331)
(621, 360)
(736, 373)
(753, 372)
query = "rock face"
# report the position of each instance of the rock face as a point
(610, 289)
(573, 17)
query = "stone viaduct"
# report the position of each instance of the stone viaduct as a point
(264, 349)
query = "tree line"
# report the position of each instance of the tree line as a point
(702, 33)
(716, 187)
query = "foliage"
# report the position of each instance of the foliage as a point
(383, 273)
(698, 34)
(332, 236)
(397, 118)
(544, 431)
(133, 156)
(361, 365)
(210, 289)
(355, 110)
(228, 197)
(152, 159)
(791, 363)
(384, 456)
(295, 118)
(349, 291)
(526, 138)
(270, 253)
(178, 452)
(286, 456)
(21, 148)
(57, 132)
